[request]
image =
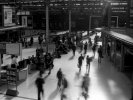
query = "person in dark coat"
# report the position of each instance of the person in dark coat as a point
(59, 76)
(1, 58)
(85, 86)
(31, 41)
(108, 50)
(81, 46)
(90, 42)
(88, 61)
(64, 87)
(73, 49)
(100, 54)
(39, 83)
(80, 59)
(49, 62)
(94, 49)
(85, 48)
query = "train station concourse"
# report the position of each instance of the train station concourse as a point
(66, 50)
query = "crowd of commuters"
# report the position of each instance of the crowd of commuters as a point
(44, 61)
(63, 46)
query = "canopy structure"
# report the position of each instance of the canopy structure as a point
(11, 28)
(118, 35)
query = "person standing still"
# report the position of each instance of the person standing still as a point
(39, 83)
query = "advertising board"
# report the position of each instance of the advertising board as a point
(13, 48)
(33, 32)
(8, 16)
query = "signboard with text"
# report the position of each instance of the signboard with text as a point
(13, 48)
(10, 48)
(8, 16)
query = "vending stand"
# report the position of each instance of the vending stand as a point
(12, 81)
(12, 73)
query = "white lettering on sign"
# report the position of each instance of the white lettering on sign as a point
(13, 48)
(33, 32)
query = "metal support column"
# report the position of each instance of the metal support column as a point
(0, 66)
(70, 13)
(70, 22)
(109, 15)
(47, 26)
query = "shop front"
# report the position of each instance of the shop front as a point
(116, 47)
(11, 34)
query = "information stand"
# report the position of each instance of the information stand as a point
(12, 81)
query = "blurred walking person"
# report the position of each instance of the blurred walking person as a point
(73, 49)
(64, 87)
(88, 61)
(90, 42)
(59, 76)
(100, 54)
(108, 49)
(39, 83)
(85, 86)
(85, 47)
(31, 41)
(80, 60)
(94, 49)
(81, 46)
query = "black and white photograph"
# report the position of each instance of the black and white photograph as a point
(66, 49)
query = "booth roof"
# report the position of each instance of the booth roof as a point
(122, 37)
(118, 33)
(11, 28)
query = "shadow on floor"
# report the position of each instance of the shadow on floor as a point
(53, 94)
(77, 76)
(111, 79)
(71, 58)
(8, 97)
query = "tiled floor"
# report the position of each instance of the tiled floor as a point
(106, 83)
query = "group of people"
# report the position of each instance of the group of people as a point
(88, 61)
(26, 43)
(64, 45)
(62, 84)
(88, 58)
